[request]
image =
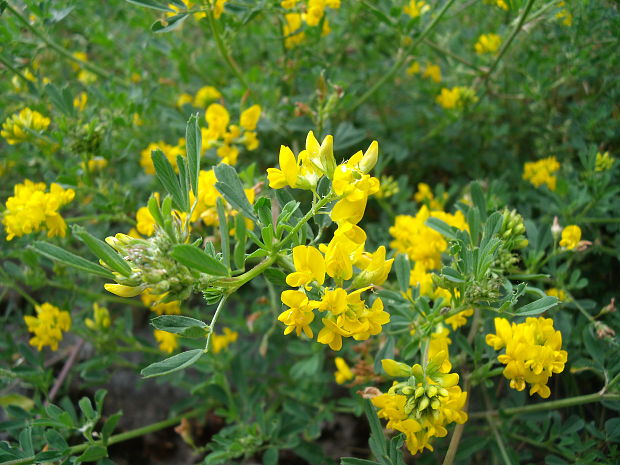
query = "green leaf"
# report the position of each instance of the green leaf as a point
(403, 271)
(103, 251)
(151, 4)
(67, 258)
(229, 185)
(275, 276)
(154, 210)
(538, 306)
(270, 457)
(183, 325)
(193, 147)
(197, 259)
(477, 197)
(92, 454)
(169, 24)
(170, 365)
(109, 426)
(87, 408)
(55, 439)
(184, 180)
(377, 440)
(441, 227)
(61, 99)
(224, 235)
(354, 461)
(241, 236)
(167, 178)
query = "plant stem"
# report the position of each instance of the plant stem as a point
(402, 58)
(214, 320)
(313, 211)
(224, 53)
(510, 39)
(454, 56)
(458, 430)
(14, 70)
(551, 405)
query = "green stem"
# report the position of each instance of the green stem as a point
(583, 311)
(498, 440)
(510, 39)
(224, 52)
(15, 71)
(402, 58)
(454, 56)
(134, 433)
(551, 405)
(313, 212)
(214, 320)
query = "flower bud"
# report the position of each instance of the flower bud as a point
(369, 160)
(395, 369)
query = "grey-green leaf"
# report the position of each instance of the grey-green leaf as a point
(538, 306)
(193, 146)
(103, 251)
(197, 259)
(67, 258)
(179, 324)
(170, 365)
(229, 185)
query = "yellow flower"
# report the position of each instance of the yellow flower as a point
(79, 102)
(170, 152)
(571, 235)
(432, 72)
(250, 140)
(122, 290)
(47, 326)
(425, 195)
(184, 99)
(421, 243)
(334, 301)
(218, 8)
(395, 369)
(375, 268)
(145, 223)
(217, 118)
(221, 341)
(564, 15)
(309, 267)
(156, 304)
(456, 98)
(415, 8)
(18, 127)
(603, 162)
(414, 68)
(18, 82)
(438, 345)
(168, 342)
(301, 173)
(299, 316)
(101, 318)
(542, 172)
(343, 372)
(460, 319)
(249, 118)
(554, 292)
(488, 43)
(31, 209)
(533, 353)
(291, 30)
(205, 95)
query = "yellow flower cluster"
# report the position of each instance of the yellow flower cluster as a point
(564, 15)
(555, 292)
(18, 82)
(20, 126)
(84, 76)
(571, 236)
(47, 326)
(415, 8)
(220, 341)
(488, 43)
(205, 95)
(170, 151)
(421, 243)
(217, 5)
(32, 209)
(423, 408)
(425, 195)
(344, 314)
(168, 342)
(312, 15)
(604, 162)
(431, 71)
(225, 137)
(344, 258)
(343, 373)
(156, 304)
(456, 97)
(101, 319)
(542, 172)
(533, 352)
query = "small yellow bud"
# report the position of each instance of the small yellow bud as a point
(424, 401)
(395, 369)
(123, 291)
(419, 391)
(431, 391)
(369, 160)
